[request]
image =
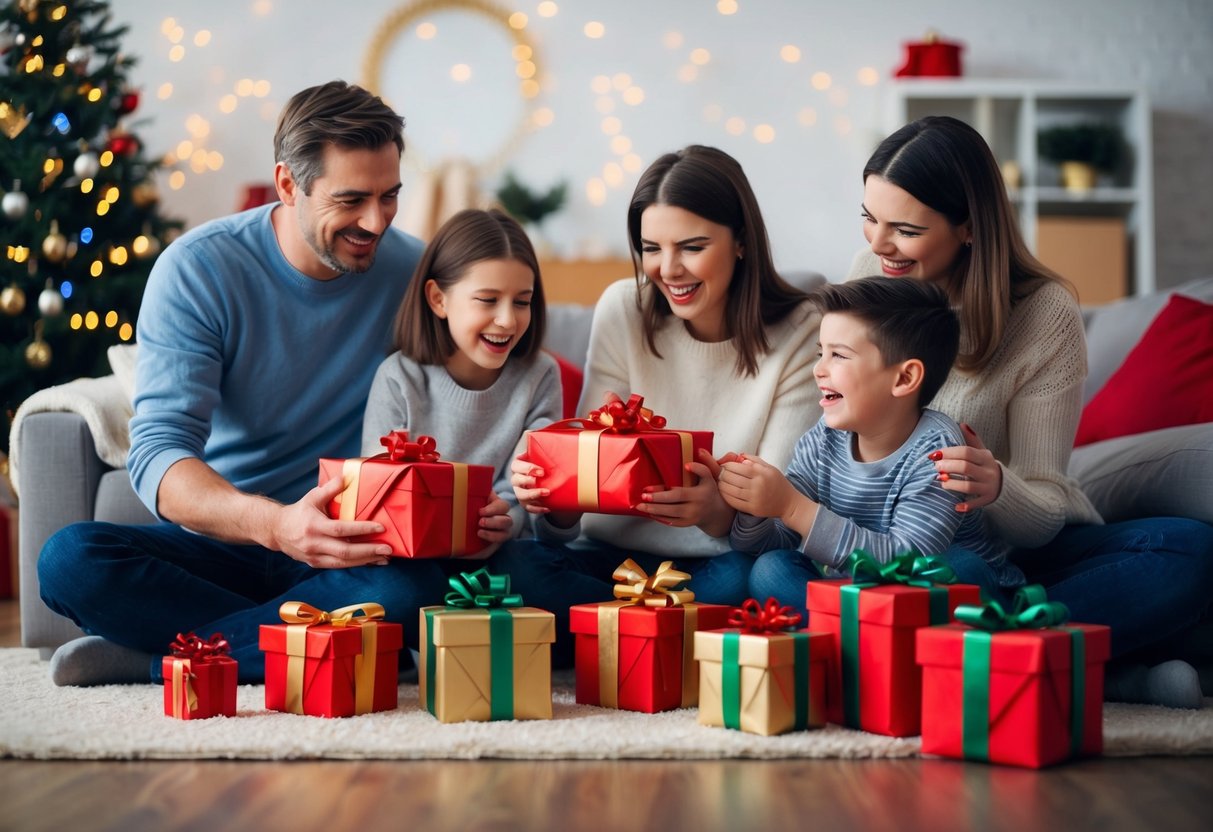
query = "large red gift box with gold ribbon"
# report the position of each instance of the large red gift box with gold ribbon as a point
(1026, 697)
(874, 683)
(331, 664)
(199, 678)
(638, 653)
(428, 508)
(603, 463)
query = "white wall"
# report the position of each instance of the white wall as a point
(807, 179)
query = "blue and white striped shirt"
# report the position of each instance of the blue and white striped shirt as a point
(887, 507)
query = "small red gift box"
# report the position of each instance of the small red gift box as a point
(638, 654)
(428, 509)
(603, 463)
(199, 678)
(1025, 697)
(874, 683)
(311, 661)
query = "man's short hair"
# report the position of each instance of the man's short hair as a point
(905, 318)
(335, 113)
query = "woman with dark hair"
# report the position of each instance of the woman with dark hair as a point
(714, 339)
(935, 209)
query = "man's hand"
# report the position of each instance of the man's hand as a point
(304, 531)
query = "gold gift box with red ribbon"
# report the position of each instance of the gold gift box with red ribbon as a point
(199, 678)
(637, 653)
(331, 664)
(428, 508)
(603, 463)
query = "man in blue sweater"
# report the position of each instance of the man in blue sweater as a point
(259, 336)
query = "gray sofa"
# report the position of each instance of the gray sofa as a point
(62, 480)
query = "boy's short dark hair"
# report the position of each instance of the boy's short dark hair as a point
(906, 318)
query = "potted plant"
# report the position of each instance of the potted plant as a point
(1080, 150)
(530, 207)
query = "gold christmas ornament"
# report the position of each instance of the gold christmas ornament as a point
(54, 247)
(38, 354)
(13, 119)
(12, 300)
(144, 194)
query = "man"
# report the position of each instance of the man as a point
(259, 336)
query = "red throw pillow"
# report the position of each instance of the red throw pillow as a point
(1165, 381)
(571, 379)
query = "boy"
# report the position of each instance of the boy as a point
(861, 477)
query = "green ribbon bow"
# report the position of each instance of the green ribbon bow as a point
(910, 569)
(481, 591)
(1031, 610)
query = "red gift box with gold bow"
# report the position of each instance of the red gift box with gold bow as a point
(637, 653)
(603, 463)
(428, 508)
(331, 664)
(199, 678)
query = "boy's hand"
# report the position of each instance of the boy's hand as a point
(756, 487)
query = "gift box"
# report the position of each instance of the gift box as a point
(759, 677)
(603, 463)
(377, 665)
(638, 653)
(1020, 695)
(199, 678)
(874, 683)
(310, 661)
(428, 508)
(484, 656)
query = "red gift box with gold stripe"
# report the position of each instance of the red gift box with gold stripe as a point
(1023, 689)
(874, 683)
(428, 508)
(199, 678)
(638, 654)
(331, 664)
(603, 463)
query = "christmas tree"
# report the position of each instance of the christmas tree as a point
(79, 216)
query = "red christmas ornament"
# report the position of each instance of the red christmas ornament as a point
(122, 144)
(128, 102)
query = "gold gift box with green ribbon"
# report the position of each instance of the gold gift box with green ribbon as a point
(484, 656)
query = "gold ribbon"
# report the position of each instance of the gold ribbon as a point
(635, 587)
(299, 616)
(185, 698)
(587, 464)
(351, 471)
(365, 662)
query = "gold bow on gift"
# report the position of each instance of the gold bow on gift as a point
(299, 616)
(659, 590)
(635, 587)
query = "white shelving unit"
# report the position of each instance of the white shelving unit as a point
(1010, 113)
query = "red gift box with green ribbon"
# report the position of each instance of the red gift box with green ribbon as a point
(1020, 688)
(199, 678)
(637, 653)
(428, 508)
(874, 683)
(604, 462)
(760, 675)
(485, 656)
(331, 664)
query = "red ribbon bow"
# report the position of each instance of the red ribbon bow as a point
(772, 618)
(400, 449)
(190, 646)
(629, 417)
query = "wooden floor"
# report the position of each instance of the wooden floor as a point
(936, 795)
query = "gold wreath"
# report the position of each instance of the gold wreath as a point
(396, 21)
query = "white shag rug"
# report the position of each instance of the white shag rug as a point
(127, 722)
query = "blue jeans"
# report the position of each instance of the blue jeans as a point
(554, 577)
(139, 586)
(783, 573)
(1148, 579)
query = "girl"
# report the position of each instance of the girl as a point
(469, 370)
(713, 339)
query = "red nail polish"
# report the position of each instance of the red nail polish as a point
(943, 477)
(963, 508)
(935, 455)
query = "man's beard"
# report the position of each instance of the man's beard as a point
(329, 257)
